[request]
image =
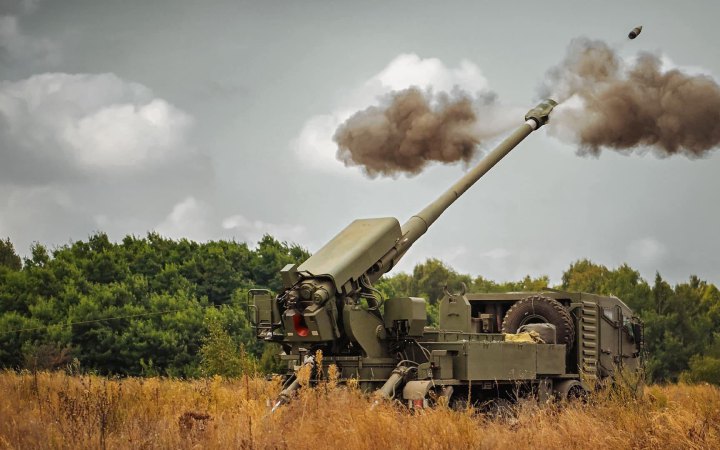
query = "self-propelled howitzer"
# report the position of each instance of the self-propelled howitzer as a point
(329, 304)
(320, 306)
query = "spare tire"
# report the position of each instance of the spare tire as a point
(546, 331)
(539, 309)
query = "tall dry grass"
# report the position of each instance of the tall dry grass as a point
(56, 410)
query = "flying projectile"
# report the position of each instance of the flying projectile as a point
(635, 32)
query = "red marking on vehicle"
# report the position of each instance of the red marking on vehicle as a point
(299, 323)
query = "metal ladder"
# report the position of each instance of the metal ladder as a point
(589, 328)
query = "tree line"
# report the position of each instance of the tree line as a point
(151, 305)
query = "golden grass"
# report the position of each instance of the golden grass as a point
(55, 410)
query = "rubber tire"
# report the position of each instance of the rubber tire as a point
(570, 391)
(545, 309)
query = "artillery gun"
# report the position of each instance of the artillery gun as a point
(329, 304)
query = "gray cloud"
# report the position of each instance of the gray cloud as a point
(57, 126)
(261, 140)
(92, 152)
(196, 219)
(16, 47)
(18, 7)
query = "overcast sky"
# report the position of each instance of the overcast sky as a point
(212, 120)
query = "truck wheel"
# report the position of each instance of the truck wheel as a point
(539, 309)
(570, 391)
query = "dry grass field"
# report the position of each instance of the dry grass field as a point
(56, 410)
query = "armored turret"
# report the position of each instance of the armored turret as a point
(321, 299)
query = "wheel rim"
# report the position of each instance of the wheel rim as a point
(533, 318)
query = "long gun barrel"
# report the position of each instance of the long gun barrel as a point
(418, 224)
(321, 296)
(329, 310)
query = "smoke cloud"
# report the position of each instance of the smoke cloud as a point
(631, 106)
(606, 101)
(411, 128)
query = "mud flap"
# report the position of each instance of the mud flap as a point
(415, 393)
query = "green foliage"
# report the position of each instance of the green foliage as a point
(623, 282)
(705, 367)
(269, 360)
(222, 355)
(138, 307)
(702, 369)
(156, 306)
(679, 321)
(430, 278)
(528, 283)
(8, 258)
